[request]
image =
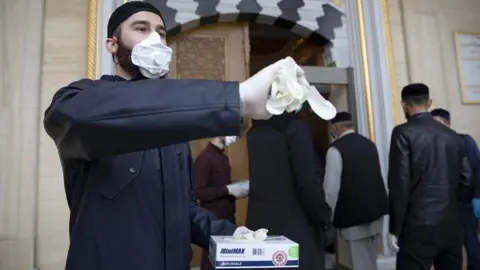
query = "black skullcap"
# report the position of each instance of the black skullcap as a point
(441, 113)
(123, 12)
(341, 117)
(415, 90)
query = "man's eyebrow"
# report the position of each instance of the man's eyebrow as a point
(160, 28)
(142, 22)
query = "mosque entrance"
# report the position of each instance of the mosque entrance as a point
(234, 51)
(217, 52)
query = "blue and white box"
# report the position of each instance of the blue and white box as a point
(227, 252)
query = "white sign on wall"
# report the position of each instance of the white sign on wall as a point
(467, 46)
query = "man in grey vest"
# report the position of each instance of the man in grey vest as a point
(355, 191)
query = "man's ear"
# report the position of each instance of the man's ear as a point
(429, 103)
(112, 45)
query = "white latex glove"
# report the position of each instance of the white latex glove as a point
(229, 140)
(319, 105)
(393, 242)
(240, 231)
(255, 91)
(245, 184)
(238, 190)
(243, 233)
(290, 89)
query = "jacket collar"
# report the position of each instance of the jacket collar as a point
(422, 115)
(116, 78)
(215, 148)
(350, 131)
(112, 78)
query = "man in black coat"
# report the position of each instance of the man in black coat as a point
(286, 195)
(428, 175)
(468, 211)
(123, 146)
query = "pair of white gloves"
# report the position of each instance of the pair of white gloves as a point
(243, 233)
(239, 189)
(281, 87)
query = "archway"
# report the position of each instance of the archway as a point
(223, 51)
(321, 21)
(191, 24)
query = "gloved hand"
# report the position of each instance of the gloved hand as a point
(393, 242)
(238, 190)
(255, 91)
(476, 208)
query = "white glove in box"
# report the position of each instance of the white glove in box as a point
(227, 252)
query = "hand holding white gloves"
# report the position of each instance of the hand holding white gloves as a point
(290, 89)
(239, 189)
(393, 242)
(281, 87)
(255, 91)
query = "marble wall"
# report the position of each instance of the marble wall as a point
(64, 61)
(20, 58)
(424, 51)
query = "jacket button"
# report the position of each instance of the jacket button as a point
(132, 170)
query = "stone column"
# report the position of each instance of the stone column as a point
(368, 56)
(21, 29)
(382, 94)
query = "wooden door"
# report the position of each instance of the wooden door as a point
(215, 52)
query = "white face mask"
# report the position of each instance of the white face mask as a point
(152, 57)
(229, 140)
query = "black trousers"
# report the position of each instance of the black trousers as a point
(424, 246)
(471, 242)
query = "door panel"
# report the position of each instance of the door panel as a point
(215, 52)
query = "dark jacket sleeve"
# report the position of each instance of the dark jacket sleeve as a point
(91, 119)
(473, 155)
(309, 188)
(466, 186)
(399, 177)
(203, 191)
(203, 222)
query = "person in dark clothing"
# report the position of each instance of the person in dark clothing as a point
(355, 190)
(285, 194)
(469, 210)
(126, 160)
(320, 165)
(213, 185)
(428, 176)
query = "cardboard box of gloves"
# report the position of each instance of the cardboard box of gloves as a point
(228, 252)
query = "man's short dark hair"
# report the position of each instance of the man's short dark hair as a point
(415, 94)
(116, 32)
(416, 101)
